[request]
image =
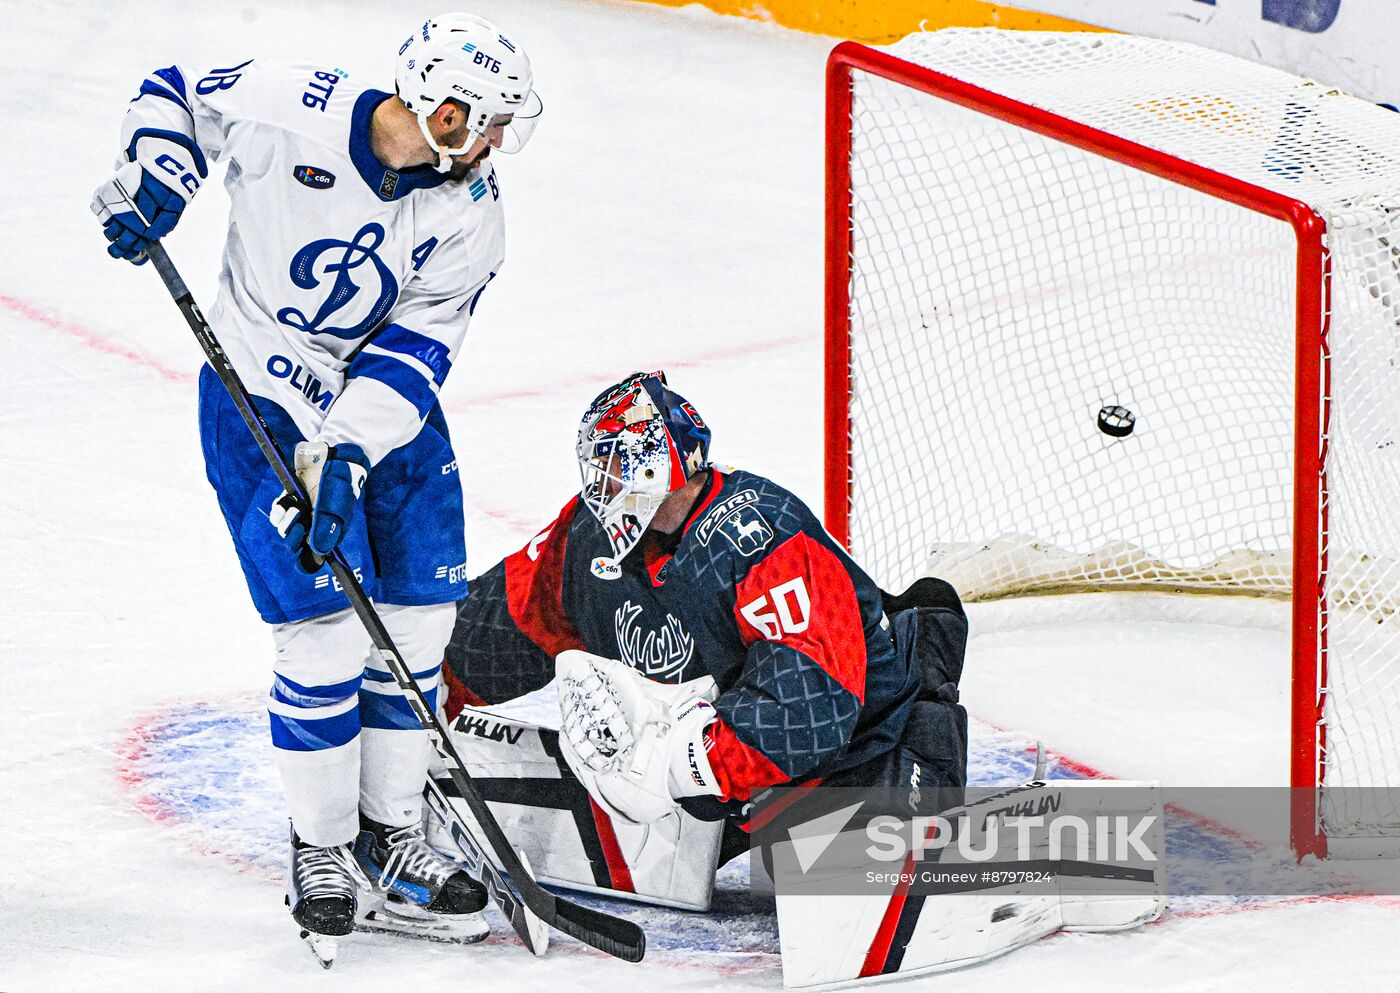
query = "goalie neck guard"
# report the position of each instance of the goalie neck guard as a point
(468, 59)
(638, 443)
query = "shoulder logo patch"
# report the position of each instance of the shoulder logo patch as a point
(605, 568)
(316, 179)
(707, 527)
(389, 185)
(739, 521)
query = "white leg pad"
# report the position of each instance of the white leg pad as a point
(830, 940)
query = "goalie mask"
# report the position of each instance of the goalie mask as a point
(638, 443)
(466, 58)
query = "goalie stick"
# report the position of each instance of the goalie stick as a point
(614, 935)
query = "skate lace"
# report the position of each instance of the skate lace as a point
(326, 872)
(411, 856)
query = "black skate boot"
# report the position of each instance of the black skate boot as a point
(321, 884)
(420, 890)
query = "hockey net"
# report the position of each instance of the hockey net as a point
(1112, 313)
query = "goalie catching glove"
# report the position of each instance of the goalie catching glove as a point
(635, 744)
(334, 477)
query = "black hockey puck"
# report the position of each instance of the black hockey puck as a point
(1116, 421)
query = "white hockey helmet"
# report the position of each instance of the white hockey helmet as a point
(468, 59)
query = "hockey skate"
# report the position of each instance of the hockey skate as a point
(415, 889)
(321, 885)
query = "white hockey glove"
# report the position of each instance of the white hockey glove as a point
(637, 745)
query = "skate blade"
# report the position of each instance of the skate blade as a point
(412, 921)
(323, 946)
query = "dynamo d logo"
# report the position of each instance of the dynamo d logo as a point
(341, 270)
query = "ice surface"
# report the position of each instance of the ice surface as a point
(667, 213)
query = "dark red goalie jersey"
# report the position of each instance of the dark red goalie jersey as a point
(751, 590)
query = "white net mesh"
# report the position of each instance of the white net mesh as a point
(1007, 288)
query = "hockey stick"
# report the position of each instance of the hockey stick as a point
(531, 929)
(605, 932)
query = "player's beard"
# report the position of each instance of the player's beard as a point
(462, 166)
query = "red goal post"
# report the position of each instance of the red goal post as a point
(850, 61)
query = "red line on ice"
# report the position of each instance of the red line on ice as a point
(92, 338)
(603, 378)
(97, 341)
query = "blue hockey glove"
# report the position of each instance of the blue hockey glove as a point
(144, 200)
(334, 477)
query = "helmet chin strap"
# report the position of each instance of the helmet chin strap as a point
(444, 155)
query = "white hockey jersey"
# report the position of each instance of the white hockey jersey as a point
(346, 287)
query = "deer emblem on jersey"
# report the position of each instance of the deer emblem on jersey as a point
(661, 655)
(749, 535)
(754, 529)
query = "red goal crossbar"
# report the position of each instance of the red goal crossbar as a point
(1312, 388)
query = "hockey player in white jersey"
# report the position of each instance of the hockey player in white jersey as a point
(364, 227)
